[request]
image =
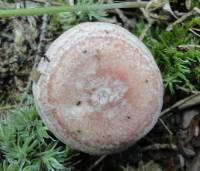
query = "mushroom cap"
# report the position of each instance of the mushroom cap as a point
(101, 89)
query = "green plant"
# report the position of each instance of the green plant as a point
(25, 144)
(65, 20)
(178, 66)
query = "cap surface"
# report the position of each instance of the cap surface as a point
(101, 91)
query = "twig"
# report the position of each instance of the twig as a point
(125, 19)
(159, 17)
(184, 17)
(169, 109)
(195, 101)
(166, 127)
(39, 52)
(149, 20)
(8, 107)
(121, 15)
(144, 11)
(160, 147)
(196, 29)
(197, 10)
(97, 162)
(40, 49)
(191, 30)
(7, 35)
(187, 90)
(146, 29)
(187, 47)
(58, 9)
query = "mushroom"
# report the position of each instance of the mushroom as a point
(100, 90)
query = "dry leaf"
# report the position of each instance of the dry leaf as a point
(150, 166)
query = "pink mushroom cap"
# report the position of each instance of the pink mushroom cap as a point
(101, 90)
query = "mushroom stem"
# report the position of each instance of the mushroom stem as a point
(58, 9)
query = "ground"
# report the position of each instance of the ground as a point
(171, 31)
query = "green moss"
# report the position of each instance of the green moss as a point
(178, 66)
(26, 145)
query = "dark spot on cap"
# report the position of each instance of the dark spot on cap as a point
(78, 131)
(85, 51)
(78, 103)
(106, 31)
